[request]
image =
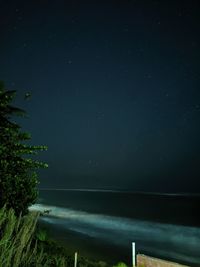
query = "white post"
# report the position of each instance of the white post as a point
(133, 254)
(75, 259)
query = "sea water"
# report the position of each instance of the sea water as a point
(103, 224)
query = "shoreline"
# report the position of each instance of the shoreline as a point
(95, 250)
(86, 246)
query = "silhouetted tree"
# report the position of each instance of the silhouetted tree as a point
(18, 177)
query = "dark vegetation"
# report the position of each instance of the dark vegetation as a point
(18, 177)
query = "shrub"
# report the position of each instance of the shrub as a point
(41, 235)
(120, 264)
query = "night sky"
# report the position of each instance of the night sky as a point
(114, 90)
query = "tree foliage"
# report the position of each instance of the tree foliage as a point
(18, 177)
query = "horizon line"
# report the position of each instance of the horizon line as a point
(118, 191)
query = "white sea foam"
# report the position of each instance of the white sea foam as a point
(167, 240)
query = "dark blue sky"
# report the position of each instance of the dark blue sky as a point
(115, 90)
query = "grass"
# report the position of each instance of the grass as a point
(17, 246)
(23, 244)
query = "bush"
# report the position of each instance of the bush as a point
(120, 264)
(41, 235)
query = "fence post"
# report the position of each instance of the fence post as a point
(75, 259)
(133, 254)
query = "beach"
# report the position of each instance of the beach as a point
(108, 237)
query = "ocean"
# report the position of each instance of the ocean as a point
(103, 224)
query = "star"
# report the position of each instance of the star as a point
(148, 76)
